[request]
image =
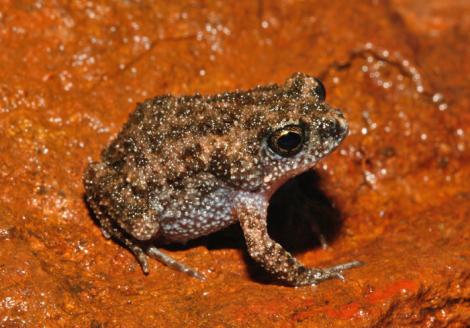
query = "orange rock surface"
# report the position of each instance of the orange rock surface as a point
(72, 71)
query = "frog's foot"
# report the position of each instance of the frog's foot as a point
(110, 231)
(314, 276)
(154, 252)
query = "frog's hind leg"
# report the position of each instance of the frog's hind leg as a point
(109, 230)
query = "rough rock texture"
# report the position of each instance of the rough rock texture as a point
(70, 73)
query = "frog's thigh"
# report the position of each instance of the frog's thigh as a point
(142, 224)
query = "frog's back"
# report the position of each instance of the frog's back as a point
(168, 138)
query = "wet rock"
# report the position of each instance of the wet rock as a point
(398, 186)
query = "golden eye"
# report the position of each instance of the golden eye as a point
(287, 141)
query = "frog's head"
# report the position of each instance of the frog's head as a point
(302, 130)
(278, 132)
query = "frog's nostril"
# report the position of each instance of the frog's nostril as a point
(334, 128)
(342, 126)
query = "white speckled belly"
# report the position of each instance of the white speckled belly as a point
(214, 212)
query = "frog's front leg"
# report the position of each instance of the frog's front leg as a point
(251, 211)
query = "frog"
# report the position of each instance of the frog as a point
(183, 167)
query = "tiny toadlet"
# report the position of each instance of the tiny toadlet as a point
(184, 167)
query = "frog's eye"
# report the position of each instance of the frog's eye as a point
(320, 90)
(287, 141)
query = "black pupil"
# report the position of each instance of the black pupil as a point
(289, 141)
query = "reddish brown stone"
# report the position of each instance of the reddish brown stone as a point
(72, 71)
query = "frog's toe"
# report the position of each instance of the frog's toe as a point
(315, 228)
(105, 233)
(344, 266)
(336, 272)
(171, 262)
(140, 256)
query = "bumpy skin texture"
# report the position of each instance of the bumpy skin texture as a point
(184, 167)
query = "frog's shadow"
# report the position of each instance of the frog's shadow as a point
(298, 213)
